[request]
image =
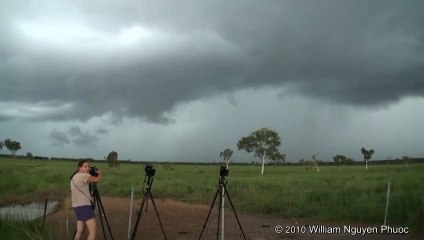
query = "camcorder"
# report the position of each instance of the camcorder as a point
(93, 171)
(223, 171)
(150, 171)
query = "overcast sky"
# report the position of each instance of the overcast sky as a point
(183, 80)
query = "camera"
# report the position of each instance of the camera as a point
(150, 171)
(223, 171)
(93, 171)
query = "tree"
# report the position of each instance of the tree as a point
(264, 142)
(1, 145)
(29, 155)
(112, 159)
(367, 156)
(314, 160)
(12, 146)
(226, 155)
(340, 159)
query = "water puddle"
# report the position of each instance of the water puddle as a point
(27, 212)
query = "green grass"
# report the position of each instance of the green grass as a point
(349, 194)
(20, 230)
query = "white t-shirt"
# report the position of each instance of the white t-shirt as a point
(80, 190)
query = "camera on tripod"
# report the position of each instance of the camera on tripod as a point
(147, 185)
(223, 171)
(223, 192)
(150, 171)
(93, 171)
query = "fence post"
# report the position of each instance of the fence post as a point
(67, 220)
(129, 218)
(45, 211)
(387, 203)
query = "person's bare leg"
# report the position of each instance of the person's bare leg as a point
(80, 230)
(91, 225)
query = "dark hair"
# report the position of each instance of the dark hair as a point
(80, 163)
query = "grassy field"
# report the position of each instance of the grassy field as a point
(12, 229)
(346, 195)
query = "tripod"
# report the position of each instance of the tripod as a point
(99, 204)
(222, 190)
(150, 173)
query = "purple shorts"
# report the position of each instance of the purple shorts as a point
(84, 213)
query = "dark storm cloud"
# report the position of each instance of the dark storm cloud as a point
(73, 135)
(102, 131)
(75, 131)
(58, 138)
(85, 139)
(357, 53)
(5, 118)
(80, 137)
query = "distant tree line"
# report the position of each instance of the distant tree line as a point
(273, 163)
(263, 142)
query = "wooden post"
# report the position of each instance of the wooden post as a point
(387, 203)
(130, 215)
(45, 211)
(67, 221)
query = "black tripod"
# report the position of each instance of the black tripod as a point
(222, 190)
(98, 202)
(150, 173)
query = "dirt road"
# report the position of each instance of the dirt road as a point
(185, 221)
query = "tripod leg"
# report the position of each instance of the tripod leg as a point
(232, 206)
(100, 215)
(210, 210)
(103, 213)
(96, 201)
(219, 211)
(139, 216)
(157, 214)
